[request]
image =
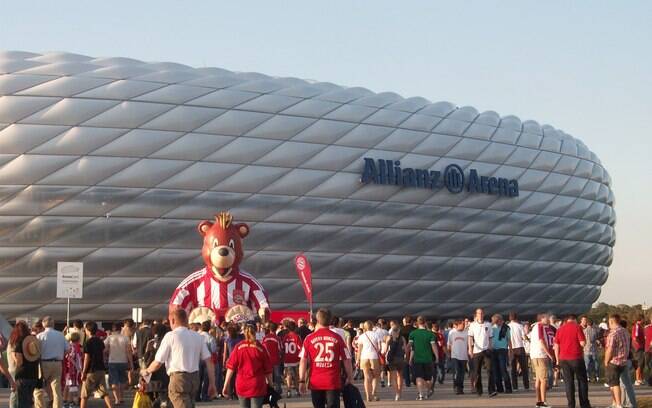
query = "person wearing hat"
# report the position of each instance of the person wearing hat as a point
(26, 356)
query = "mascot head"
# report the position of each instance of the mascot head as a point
(222, 251)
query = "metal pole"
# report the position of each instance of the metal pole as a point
(68, 314)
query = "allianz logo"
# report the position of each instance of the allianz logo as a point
(390, 172)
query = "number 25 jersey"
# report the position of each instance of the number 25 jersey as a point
(325, 350)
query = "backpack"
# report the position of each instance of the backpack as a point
(352, 397)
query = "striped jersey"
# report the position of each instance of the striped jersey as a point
(203, 289)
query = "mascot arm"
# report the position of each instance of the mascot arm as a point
(182, 298)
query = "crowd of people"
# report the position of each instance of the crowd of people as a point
(179, 363)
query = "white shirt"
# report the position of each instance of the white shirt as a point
(481, 334)
(366, 343)
(181, 350)
(53, 344)
(536, 335)
(117, 344)
(516, 334)
(458, 342)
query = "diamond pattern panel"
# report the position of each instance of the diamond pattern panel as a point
(113, 161)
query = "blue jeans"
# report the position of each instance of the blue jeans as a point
(219, 378)
(459, 367)
(499, 370)
(592, 366)
(629, 396)
(406, 375)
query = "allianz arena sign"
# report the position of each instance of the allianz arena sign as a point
(452, 178)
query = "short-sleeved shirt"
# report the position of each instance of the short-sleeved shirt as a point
(117, 345)
(648, 338)
(181, 350)
(94, 347)
(421, 341)
(638, 337)
(291, 348)
(29, 369)
(481, 334)
(405, 332)
(441, 345)
(568, 337)
(618, 341)
(370, 344)
(516, 334)
(251, 362)
(272, 345)
(591, 336)
(499, 343)
(538, 334)
(325, 350)
(458, 342)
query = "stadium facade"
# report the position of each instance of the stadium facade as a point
(401, 205)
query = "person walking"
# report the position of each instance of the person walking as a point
(292, 344)
(615, 357)
(480, 347)
(569, 353)
(541, 357)
(590, 349)
(211, 344)
(140, 339)
(638, 349)
(458, 339)
(648, 351)
(406, 329)
(26, 353)
(628, 395)
(396, 347)
(159, 382)
(519, 358)
(72, 368)
(120, 361)
(93, 370)
(254, 371)
(423, 352)
(369, 351)
(53, 348)
(180, 351)
(500, 354)
(324, 353)
(272, 345)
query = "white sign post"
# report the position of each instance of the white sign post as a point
(70, 283)
(137, 314)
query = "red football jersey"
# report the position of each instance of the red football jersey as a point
(272, 345)
(325, 349)
(291, 349)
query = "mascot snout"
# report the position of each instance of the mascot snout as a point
(222, 258)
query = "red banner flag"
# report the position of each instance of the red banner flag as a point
(305, 275)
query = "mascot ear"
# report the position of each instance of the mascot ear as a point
(203, 227)
(243, 230)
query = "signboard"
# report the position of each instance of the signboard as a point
(137, 314)
(70, 280)
(452, 178)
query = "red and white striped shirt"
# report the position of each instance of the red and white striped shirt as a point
(203, 289)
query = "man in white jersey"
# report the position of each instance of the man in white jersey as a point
(519, 358)
(541, 356)
(480, 347)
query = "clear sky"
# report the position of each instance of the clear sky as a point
(583, 66)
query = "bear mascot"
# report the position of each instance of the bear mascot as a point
(221, 290)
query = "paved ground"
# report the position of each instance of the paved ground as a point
(443, 397)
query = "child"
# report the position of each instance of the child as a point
(72, 371)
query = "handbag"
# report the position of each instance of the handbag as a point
(381, 357)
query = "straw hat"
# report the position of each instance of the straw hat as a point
(31, 348)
